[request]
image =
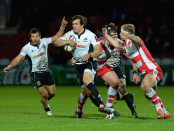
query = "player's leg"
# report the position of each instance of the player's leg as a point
(81, 101)
(51, 91)
(128, 97)
(111, 78)
(37, 80)
(50, 87)
(148, 85)
(86, 75)
(88, 81)
(44, 100)
(49, 83)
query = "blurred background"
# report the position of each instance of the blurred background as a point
(153, 22)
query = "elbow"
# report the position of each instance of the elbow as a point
(56, 43)
(100, 52)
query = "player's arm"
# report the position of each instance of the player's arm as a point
(108, 55)
(14, 63)
(61, 42)
(136, 39)
(136, 78)
(111, 40)
(97, 51)
(60, 32)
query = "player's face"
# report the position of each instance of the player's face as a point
(35, 38)
(77, 27)
(113, 35)
(122, 36)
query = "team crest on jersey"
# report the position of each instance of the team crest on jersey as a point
(38, 83)
(85, 39)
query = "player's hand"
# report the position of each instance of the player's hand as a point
(6, 69)
(136, 78)
(72, 42)
(64, 22)
(85, 57)
(105, 32)
(73, 61)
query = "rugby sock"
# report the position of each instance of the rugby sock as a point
(47, 109)
(95, 94)
(152, 96)
(129, 102)
(81, 101)
(162, 106)
(110, 96)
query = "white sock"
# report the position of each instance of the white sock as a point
(81, 101)
(152, 96)
(110, 96)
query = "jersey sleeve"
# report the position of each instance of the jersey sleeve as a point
(24, 51)
(47, 41)
(94, 40)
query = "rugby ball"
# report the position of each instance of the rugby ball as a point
(67, 47)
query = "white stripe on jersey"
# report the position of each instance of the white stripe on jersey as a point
(146, 60)
(140, 56)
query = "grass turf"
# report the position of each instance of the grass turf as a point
(21, 109)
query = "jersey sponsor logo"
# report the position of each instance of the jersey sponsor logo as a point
(81, 46)
(41, 54)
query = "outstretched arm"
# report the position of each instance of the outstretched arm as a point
(14, 63)
(136, 39)
(111, 40)
(61, 30)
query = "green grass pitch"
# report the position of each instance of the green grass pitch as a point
(21, 109)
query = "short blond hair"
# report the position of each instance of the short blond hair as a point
(130, 28)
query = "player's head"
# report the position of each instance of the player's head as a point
(128, 29)
(35, 36)
(112, 30)
(79, 23)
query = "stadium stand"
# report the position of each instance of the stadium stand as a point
(152, 24)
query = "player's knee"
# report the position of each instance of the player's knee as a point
(52, 94)
(145, 88)
(44, 95)
(115, 84)
(86, 81)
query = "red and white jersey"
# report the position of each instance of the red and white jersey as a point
(101, 60)
(142, 58)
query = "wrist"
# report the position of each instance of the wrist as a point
(89, 55)
(9, 66)
(62, 27)
(135, 72)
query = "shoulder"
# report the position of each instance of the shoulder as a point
(89, 32)
(26, 46)
(48, 40)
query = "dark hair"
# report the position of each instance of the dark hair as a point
(34, 30)
(83, 20)
(111, 28)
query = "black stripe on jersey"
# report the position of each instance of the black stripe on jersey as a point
(91, 49)
(30, 63)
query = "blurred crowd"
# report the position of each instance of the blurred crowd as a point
(154, 24)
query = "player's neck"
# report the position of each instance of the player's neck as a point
(35, 44)
(81, 31)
